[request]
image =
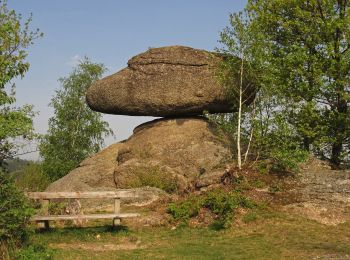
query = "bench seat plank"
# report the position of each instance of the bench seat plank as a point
(84, 195)
(92, 216)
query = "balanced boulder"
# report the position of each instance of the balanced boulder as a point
(167, 81)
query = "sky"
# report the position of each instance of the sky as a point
(109, 32)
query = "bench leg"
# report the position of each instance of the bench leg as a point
(43, 224)
(116, 222)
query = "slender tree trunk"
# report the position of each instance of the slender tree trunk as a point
(340, 132)
(239, 153)
(306, 143)
(251, 134)
(336, 152)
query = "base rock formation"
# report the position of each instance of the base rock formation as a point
(177, 153)
(183, 149)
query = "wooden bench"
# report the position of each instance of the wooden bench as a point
(45, 197)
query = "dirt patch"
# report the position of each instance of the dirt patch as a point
(99, 247)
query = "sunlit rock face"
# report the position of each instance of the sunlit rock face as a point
(167, 81)
(185, 151)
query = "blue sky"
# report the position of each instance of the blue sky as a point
(110, 32)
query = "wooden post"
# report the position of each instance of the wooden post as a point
(116, 221)
(45, 210)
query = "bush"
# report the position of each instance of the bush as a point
(14, 213)
(31, 178)
(186, 209)
(222, 204)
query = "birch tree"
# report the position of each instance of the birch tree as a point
(239, 62)
(75, 131)
(261, 130)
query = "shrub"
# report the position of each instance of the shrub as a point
(185, 210)
(221, 203)
(14, 213)
(31, 178)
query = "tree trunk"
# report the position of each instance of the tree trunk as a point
(239, 155)
(340, 131)
(251, 134)
(336, 153)
(307, 143)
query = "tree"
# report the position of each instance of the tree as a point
(261, 129)
(15, 213)
(75, 132)
(310, 65)
(15, 122)
(238, 50)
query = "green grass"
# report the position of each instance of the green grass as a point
(269, 235)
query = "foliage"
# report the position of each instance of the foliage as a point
(14, 213)
(309, 66)
(75, 132)
(152, 177)
(38, 252)
(15, 164)
(15, 122)
(266, 133)
(31, 178)
(241, 59)
(57, 208)
(221, 203)
(277, 142)
(186, 209)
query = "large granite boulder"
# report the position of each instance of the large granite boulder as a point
(178, 151)
(92, 174)
(171, 154)
(167, 81)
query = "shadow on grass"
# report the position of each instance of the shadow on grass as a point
(84, 231)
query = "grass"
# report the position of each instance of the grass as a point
(267, 235)
(31, 178)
